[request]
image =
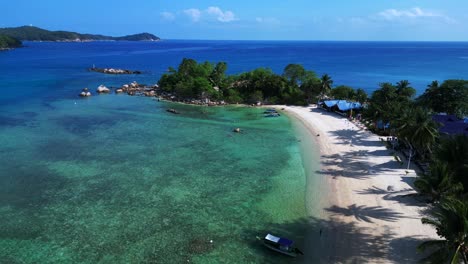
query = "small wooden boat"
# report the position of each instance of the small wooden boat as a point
(281, 245)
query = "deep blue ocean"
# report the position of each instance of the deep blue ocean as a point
(117, 179)
(56, 69)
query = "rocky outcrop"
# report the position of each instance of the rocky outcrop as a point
(113, 71)
(103, 89)
(136, 89)
(85, 93)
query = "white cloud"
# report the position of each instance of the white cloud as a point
(212, 12)
(193, 13)
(221, 16)
(413, 13)
(167, 16)
(390, 14)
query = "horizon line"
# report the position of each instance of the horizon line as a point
(310, 40)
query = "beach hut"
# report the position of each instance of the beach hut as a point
(345, 106)
(328, 104)
(341, 106)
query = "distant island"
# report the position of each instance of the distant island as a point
(7, 42)
(30, 33)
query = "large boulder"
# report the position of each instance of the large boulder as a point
(103, 89)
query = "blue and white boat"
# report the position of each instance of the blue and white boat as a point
(281, 245)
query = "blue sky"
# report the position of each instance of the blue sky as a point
(249, 20)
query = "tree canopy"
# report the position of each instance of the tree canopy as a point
(205, 80)
(450, 97)
(7, 42)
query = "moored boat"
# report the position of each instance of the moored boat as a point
(281, 245)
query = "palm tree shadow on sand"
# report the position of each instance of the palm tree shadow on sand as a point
(336, 241)
(353, 164)
(366, 213)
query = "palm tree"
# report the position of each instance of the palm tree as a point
(417, 127)
(404, 89)
(433, 86)
(326, 83)
(431, 97)
(450, 218)
(438, 182)
(454, 151)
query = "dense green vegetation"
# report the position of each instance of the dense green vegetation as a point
(450, 97)
(409, 119)
(193, 80)
(7, 42)
(30, 33)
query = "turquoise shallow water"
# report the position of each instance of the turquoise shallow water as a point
(117, 179)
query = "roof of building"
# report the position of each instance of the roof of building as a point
(451, 125)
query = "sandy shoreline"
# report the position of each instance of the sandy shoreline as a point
(369, 215)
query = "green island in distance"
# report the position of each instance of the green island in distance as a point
(30, 33)
(7, 42)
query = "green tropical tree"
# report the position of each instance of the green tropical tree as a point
(454, 152)
(433, 86)
(360, 96)
(404, 89)
(326, 84)
(415, 125)
(310, 86)
(343, 92)
(294, 73)
(438, 182)
(217, 75)
(386, 104)
(450, 97)
(450, 219)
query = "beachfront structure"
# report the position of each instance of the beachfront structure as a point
(451, 125)
(340, 105)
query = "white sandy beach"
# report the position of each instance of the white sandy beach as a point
(369, 215)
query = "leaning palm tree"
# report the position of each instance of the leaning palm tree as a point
(326, 83)
(450, 218)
